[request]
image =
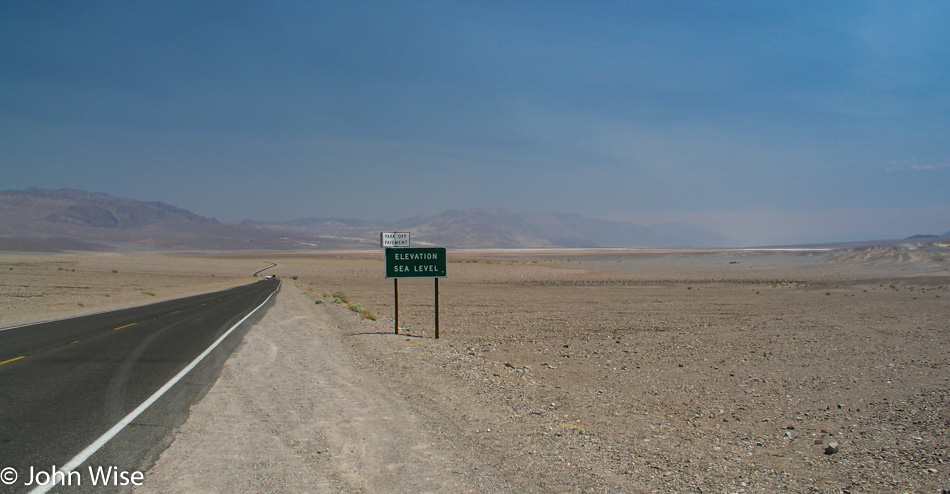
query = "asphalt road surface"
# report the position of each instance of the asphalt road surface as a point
(259, 271)
(65, 385)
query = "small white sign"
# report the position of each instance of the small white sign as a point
(394, 239)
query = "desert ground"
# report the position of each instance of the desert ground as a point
(556, 371)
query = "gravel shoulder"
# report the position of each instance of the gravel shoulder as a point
(292, 412)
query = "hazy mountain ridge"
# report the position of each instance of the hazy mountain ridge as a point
(94, 209)
(493, 228)
(925, 236)
(66, 219)
(483, 228)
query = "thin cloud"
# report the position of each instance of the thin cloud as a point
(917, 168)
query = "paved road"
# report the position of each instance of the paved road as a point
(64, 384)
(259, 271)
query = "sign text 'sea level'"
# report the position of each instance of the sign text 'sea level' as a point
(416, 262)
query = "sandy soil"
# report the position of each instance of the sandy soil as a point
(585, 372)
(41, 287)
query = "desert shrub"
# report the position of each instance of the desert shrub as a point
(368, 314)
(318, 302)
(294, 277)
(343, 300)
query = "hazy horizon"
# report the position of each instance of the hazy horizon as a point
(768, 123)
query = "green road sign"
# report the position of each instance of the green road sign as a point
(415, 262)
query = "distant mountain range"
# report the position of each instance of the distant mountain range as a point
(927, 236)
(490, 228)
(66, 219)
(54, 220)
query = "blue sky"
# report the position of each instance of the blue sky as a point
(770, 122)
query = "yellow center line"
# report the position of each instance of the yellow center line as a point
(123, 327)
(202, 305)
(173, 313)
(12, 360)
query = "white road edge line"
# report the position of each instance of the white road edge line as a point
(114, 431)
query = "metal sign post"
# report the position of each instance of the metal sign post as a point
(436, 308)
(393, 240)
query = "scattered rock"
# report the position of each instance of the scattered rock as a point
(831, 448)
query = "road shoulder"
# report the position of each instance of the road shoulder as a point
(292, 412)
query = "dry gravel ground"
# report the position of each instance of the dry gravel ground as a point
(585, 372)
(41, 287)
